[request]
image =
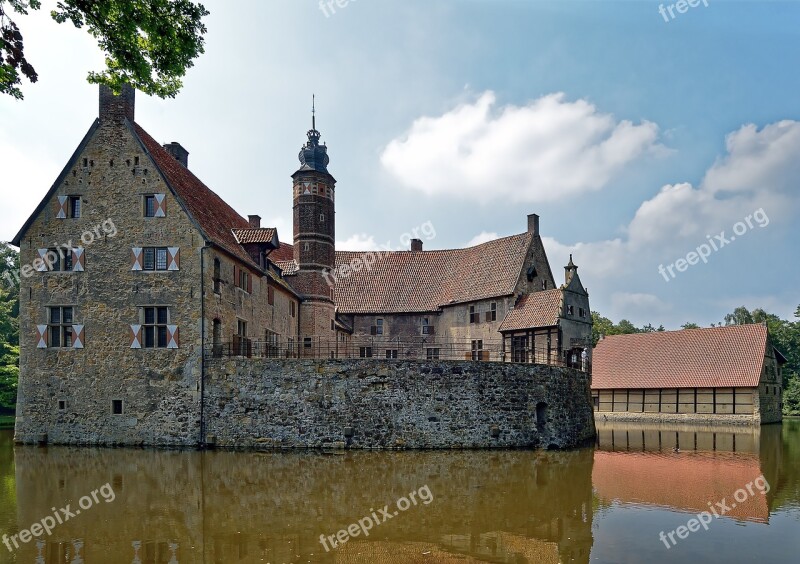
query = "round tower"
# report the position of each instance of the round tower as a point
(314, 237)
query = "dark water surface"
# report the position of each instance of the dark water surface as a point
(608, 503)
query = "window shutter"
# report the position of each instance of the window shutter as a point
(173, 337)
(77, 336)
(270, 295)
(78, 259)
(373, 330)
(42, 266)
(249, 283)
(173, 258)
(41, 336)
(235, 276)
(61, 207)
(488, 316)
(136, 258)
(136, 336)
(161, 205)
(431, 330)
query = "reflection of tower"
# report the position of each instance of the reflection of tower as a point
(314, 236)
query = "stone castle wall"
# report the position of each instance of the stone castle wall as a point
(398, 404)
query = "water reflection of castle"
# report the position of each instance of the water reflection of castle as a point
(221, 507)
(684, 468)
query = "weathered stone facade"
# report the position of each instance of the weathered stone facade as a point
(402, 404)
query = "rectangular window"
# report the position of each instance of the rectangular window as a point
(241, 328)
(154, 258)
(571, 310)
(62, 405)
(243, 274)
(75, 207)
(60, 327)
(62, 260)
(292, 308)
(116, 407)
(307, 342)
(477, 349)
(391, 353)
(365, 352)
(491, 315)
(154, 327)
(432, 354)
(426, 326)
(150, 206)
(581, 312)
(379, 326)
(474, 316)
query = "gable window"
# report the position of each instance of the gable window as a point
(571, 310)
(150, 206)
(154, 327)
(544, 284)
(60, 327)
(155, 258)
(75, 207)
(365, 352)
(391, 353)
(474, 316)
(432, 354)
(581, 312)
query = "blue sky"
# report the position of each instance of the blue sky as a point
(633, 138)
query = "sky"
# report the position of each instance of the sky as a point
(661, 148)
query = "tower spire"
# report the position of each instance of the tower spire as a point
(314, 112)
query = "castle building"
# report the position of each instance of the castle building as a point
(135, 273)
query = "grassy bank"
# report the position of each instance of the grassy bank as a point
(6, 421)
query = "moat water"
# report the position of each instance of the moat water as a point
(605, 503)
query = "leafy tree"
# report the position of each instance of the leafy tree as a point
(689, 325)
(148, 44)
(9, 353)
(791, 398)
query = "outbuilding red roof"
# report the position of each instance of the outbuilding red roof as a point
(730, 356)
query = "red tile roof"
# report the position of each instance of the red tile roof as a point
(730, 356)
(540, 309)
(259, 235)
(212, 215)
(424, 281)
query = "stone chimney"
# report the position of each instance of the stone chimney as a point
(533, 224)
(117, 108)
(255, 221)
(416, 244)
(176, 150)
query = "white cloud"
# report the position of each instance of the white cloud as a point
(358, 242)
(638, 305)
(547, 150)
(758, 171)
(482, 237)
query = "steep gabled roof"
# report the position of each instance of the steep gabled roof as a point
(424, 281)
(540, 309)
(717, 357)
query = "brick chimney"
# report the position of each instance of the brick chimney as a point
(117, 108)
(176, 150)
(533, 224)
(416, 244)
(255, 221)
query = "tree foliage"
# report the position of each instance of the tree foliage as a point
(9, 329)
(148, 44)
